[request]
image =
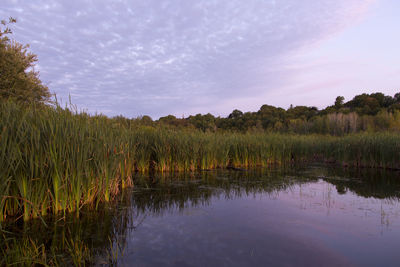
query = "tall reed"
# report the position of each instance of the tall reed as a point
(56, 160)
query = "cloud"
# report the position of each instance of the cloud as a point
(160, 57)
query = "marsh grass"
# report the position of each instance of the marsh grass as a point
(24, 252)
(56, 160)
(69, 241)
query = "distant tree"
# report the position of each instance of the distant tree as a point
(366, 104)
(203, 122)
(388, 101)
(397, 97)
(235, 114)
(250, 121)
(339, 102)
(301, 112)
(170, 119)
(270, 115)
(18, 79)
(146, 120)
(379, 97)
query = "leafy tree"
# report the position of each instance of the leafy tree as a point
(366, 104)
(146, 120)
(397, 97)
(18, 79)
(302, 112)
(235, 114)
(250, 121)
(270, 115)
(170, 119)
(203, 122)
(339, 102)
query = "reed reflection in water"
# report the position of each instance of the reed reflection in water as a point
(302, 216)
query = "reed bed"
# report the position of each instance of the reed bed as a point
(56, 160)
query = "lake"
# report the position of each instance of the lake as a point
(309, 216)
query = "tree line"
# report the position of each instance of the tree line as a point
(365, 112)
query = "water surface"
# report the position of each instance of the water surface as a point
(311, 216)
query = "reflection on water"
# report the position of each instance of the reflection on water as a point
(309, 216)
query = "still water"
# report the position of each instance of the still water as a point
(314, 216)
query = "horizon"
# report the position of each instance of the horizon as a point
(172, 58)
(246, 111)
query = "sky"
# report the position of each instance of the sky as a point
(182, 57)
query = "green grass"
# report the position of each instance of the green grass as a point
(55, 161)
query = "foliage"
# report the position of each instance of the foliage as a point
(18, 79)
(365, 112)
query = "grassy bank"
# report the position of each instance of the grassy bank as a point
(55, 160)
